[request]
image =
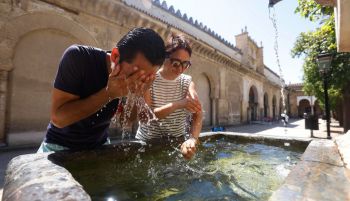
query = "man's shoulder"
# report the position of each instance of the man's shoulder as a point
(82, 53)
(82, 49)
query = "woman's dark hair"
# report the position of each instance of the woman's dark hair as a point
(176, 42)
(142, 40)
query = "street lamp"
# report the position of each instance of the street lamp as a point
(324, 64)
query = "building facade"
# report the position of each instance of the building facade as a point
(299, 103)
(233, 83)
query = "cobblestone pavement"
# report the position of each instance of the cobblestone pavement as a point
(295, 128)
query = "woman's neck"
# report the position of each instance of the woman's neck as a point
(166, 75)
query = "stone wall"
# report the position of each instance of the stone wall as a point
(34, 34)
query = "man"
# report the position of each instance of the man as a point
(89, 83)
(284, 118)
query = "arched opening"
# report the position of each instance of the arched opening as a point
(266, 105)
(203, 90)
(304, 107)
(34, 52)
(252, 104)
(274, 106)
(36, 58)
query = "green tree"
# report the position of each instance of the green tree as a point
(312, 43)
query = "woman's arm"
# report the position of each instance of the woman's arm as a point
(188, 148)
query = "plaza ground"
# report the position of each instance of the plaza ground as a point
(294, 129)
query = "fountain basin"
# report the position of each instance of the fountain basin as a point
(98, 174)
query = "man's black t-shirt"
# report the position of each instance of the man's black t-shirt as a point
(83, 72)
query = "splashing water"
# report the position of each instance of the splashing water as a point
(127, 104)
(144, 113)
(272, 16)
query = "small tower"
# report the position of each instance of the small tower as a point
(252, 53)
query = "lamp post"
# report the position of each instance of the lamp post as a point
(324, 63)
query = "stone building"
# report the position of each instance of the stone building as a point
(299, 103)
(233, 83)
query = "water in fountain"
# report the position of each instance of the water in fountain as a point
(225, 169)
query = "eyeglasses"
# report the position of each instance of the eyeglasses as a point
(177, 63)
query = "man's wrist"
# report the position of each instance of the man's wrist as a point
(108, 94)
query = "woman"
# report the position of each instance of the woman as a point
(173, 98)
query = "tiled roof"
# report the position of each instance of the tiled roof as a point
(187, 19)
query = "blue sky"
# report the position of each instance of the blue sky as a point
(228, 17)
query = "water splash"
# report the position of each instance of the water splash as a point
(129, 104)
(272, 16)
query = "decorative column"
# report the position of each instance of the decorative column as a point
(213, 111)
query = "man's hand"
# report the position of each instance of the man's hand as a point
(118, 85)
(141, 85)
(188, 148)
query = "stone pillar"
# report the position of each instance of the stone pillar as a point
(3, 91)
(346, 109)
(213, 111)
(223, 111)
(222, 114)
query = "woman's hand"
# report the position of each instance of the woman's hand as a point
(188, 148)
(191, 104)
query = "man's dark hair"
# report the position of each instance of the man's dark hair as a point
(142, 40)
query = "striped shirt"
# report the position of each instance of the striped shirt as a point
(163, 92)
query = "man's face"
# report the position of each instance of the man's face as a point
(141, 63)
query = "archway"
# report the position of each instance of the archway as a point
(304, 107)
(32, 58)
(253, 104)
(32, 77)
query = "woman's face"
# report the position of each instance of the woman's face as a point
(177, 63)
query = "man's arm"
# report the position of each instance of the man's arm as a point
(67, 108)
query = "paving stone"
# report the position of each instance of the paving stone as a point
(343, 143)
(323, 151)
(315, 181)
